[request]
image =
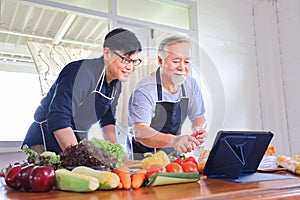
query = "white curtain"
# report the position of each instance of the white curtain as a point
(49, 60)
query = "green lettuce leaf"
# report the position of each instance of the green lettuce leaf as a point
(115, 150)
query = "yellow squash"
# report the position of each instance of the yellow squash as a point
(158, 158)
(107, 180)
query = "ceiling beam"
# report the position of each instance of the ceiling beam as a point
(14, 59)
(13, 49)
(63, 28)
(25, 35)
(27, 17)
(14, 53)
(88, 44)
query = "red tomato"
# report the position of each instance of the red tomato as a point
(191, 158)
(179, 160)
(196, 133)
(189, 166)
(173, 167)
(154, 169)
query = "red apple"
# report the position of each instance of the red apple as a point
(24, 176)
(41, 179)
(12, 177)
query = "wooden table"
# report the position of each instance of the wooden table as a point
(203, 189)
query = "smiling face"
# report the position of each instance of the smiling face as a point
(115, 67)
(175, 63)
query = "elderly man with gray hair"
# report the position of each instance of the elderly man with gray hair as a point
(161, 102)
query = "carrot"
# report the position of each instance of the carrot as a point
(125, 179)
(138, 179)
(120, 186)
(124, 175)
(123, 168)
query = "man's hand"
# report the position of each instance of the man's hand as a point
(200, 135)
(184, 143)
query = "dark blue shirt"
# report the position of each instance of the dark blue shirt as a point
(75, 100)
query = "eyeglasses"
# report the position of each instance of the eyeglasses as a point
(127, 61)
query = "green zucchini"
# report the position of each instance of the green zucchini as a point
(172, 178)
(70, 181)
(107, 180)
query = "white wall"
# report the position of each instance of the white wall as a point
(272, 98)
(226, 32)
(289, 31)
(254, 48)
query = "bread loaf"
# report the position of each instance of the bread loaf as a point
(289, 164)
(270, 151)
(133, 164)
(296, 157)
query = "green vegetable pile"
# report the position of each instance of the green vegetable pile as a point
(93, 153)
(47, 158)
(115, 150)
(86, 154)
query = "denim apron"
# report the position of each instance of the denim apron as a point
(169, 117)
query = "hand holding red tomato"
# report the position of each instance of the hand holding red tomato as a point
(200, 134)
(184, 143)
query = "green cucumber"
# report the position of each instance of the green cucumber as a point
(70, 181)
(107, 180)
(172, 178)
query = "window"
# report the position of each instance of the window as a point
(20, 96)
(167, 13)
(96, 5)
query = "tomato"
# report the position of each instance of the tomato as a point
(154, 169)
(191, 158)
(179, 160)
(173, 167)
(189, 166)
(196, 133)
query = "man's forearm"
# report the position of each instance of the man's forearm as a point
(160, 140)
(199, 122)
(150, 137)
(109, 133)
(65, 137)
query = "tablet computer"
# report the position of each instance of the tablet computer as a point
(236, 153)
